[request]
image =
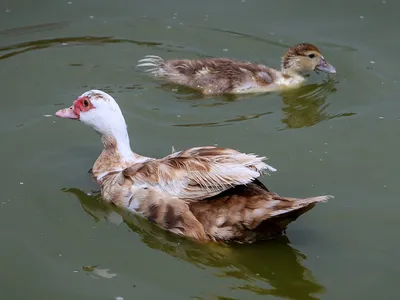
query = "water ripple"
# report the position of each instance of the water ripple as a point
(225, 122)
(23, 47)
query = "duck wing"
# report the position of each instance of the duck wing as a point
(198, 173)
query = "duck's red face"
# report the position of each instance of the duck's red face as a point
(98, 110)
(82, 104)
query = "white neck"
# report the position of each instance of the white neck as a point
(116, 144)
(106, 118)
(117, 139)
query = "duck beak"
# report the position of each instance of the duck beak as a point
(67, 113)
(325, 67)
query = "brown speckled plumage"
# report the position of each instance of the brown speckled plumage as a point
(219, 75)
(223, 75)
(240, 213)
(205, 193)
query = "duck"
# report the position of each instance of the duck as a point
(205, 193)
(213, 76)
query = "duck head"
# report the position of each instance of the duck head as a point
(98, 110)
(305, 58)
(101, 112)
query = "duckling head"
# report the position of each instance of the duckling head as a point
(305, 58)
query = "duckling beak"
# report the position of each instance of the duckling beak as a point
(67, 113)
(326, 67)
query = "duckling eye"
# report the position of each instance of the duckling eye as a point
(86, 103)
(312, 55)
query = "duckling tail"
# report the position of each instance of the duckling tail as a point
(154, 63)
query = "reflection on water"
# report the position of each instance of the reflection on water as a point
(306, 106)
(269, 268)
(303, 107)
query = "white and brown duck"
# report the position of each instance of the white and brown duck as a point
(228, 76)
(205, 193)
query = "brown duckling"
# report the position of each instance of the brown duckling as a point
(228, 76)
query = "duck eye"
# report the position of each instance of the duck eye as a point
(312, 55)
(86, 103)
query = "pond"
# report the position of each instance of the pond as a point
(337, 135)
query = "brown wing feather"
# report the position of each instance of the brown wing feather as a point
(198, 173)
(166, 192)
(248, 213)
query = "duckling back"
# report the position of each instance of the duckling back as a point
(213, 75)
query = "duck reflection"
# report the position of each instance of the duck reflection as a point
(302, 107)
(307, 105)
(271, 268)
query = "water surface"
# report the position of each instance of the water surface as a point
(337, 135)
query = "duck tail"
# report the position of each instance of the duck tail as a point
(318, 199)
(296, 207)
(300, 205)
(272, 217)
(154, 65)
(296, 203)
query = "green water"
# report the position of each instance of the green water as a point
(338, 135)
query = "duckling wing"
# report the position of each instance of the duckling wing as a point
(265, 76)
(188, 68)
(198, 173)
